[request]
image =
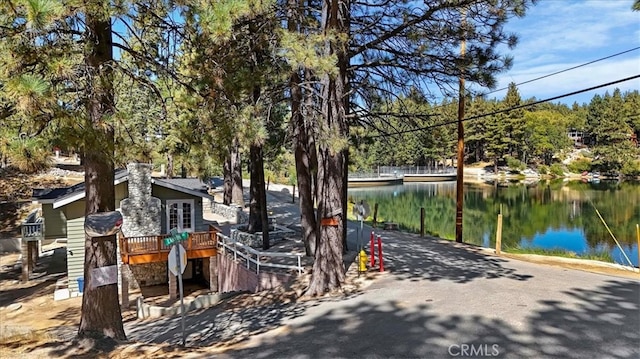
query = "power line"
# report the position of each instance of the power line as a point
(565, 70)
(427, 115)
(507, 109)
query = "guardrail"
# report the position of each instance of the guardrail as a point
(248, 253)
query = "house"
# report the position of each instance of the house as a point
(150, 207)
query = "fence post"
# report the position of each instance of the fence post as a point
(422, 222)
(638, 236)
(375, 215)
(372, 249)
(499, 235)
(380, 254)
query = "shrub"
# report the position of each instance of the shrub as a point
(543, 169)
(580, 165)
(515, 164)
(631, 168)
(557, 170)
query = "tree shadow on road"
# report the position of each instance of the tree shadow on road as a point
(410, 257)
(590, 324)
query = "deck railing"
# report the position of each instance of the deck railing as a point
(155, 244)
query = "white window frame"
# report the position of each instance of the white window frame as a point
(179, 202)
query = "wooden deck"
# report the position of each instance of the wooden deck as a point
(149, 249)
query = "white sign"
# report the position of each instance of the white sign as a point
(104, 276)
(173, 262)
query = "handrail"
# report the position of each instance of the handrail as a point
(227, 243)
(136, 245)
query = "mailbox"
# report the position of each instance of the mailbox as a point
(103, 224)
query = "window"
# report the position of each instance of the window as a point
(181, 215)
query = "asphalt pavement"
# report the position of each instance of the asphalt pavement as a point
(436, 299)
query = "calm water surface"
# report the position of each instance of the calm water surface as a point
(546, 214)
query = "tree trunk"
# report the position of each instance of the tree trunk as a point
(228, 180)
(258, 219)
(169, 165)
(101, 315)
(328, 269)
(304, 148)
(237, 196)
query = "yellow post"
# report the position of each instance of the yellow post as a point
(638, 236)
(499, 235)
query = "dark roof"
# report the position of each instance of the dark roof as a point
(187, 185)
(191, 184)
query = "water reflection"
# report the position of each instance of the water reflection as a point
(550, 214)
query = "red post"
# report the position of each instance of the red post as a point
(372, 249)
(380, 254)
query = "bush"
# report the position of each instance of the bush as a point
(631, 168)
(515, 164)
(580, 165)
(557, 170)
(543, 169)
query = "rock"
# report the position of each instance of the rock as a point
(13, 307)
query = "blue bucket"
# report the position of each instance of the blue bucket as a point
(80, 284)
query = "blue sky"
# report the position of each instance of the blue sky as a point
(559, 34)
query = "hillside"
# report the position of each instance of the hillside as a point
(16, 190)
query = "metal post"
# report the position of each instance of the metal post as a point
(372, 249)
(179, 265)
(499, 235)
(380, 254)
(638, 236)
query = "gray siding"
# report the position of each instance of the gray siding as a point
(75, 244)
(165, 194)
(55, 222)
(73, 215)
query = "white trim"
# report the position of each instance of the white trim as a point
(193, 213)
(80, 195)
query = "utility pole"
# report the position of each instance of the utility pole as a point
(461, 99)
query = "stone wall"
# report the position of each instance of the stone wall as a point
(255, 239)
(141, 212)
(143, 275)
(232, 212)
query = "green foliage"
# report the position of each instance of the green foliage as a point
(543, 169)
(514, 164)
(29, 155)
(631, 168)
(579, 165)
(557, 170)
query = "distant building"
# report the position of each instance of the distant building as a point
(577, 137)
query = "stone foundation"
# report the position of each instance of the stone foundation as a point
(143, 275)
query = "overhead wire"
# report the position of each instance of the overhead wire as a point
(526, 82)
(506, 109)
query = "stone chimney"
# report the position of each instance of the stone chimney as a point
(140, 211)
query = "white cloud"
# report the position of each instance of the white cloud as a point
(556, 35)
(574, 80)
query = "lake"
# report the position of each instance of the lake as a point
(548, 214)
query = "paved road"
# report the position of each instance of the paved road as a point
(437, 299)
